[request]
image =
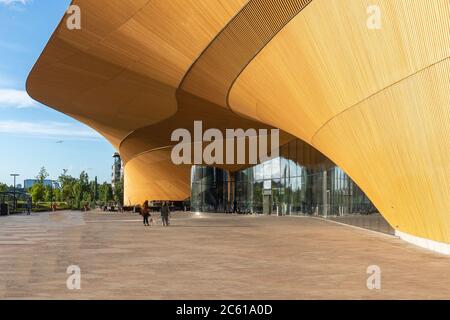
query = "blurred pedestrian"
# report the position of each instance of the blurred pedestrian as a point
(145, 212)
(165, 213)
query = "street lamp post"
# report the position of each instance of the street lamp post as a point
(51, 196)
(15, 175)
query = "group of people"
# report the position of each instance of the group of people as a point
(165, 214)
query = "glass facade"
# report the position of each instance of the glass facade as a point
(301, 181)
(210, 189)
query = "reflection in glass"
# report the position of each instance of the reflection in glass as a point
(301, 181)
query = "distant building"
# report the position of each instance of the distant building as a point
(29, 183)
(117, 170)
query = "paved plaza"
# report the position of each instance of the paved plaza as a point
(209, 257)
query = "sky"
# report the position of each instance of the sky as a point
(30, 131)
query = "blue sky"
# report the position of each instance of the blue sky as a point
(29, 131)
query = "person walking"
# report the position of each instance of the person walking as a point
(29, 206)
(145, 212)
(165, 212)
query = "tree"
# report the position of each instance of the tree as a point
(48, 194)
(3, 187)
(87, 197)
(83, 191)
(77, 194)
(37, 192)
(67, 183)
(118, 192)
(42, 175)
(57, 195)
(106, 194)
(94, 189)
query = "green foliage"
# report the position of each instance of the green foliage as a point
(37, 192)
(47, 206)
(118, 192)
(81, 190)
(42, 175)
(3, 187)
(76, 195)
(94, 190)
(84, 181)
(73, 193)
(106, 193)
(48, 194)
(57, 195)
(67, 183)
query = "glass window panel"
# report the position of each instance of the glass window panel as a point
(259, 172)
(267, 169)
(275, 168)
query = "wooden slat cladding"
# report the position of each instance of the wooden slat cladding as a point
(213, 74)
(206, 85)
(374, 101)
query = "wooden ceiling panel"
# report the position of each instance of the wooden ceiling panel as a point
(121, 70)
(153, 176)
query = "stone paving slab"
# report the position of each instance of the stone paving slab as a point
(209, 257)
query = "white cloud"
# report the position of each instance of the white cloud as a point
(10, 2)
(11, 98)
(54, 130)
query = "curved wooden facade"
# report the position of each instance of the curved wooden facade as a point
(376, 102)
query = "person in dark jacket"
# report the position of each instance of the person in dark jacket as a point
(29, 206)
(165, 213)
(145, 212)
